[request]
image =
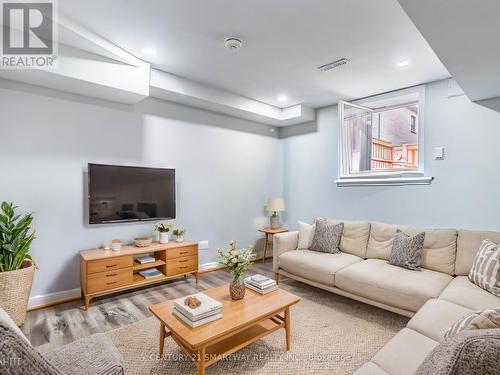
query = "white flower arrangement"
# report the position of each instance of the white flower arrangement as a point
(163, 227)
(236, 261)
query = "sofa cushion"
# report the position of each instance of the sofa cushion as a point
(485, 271)
(316, 266)
(435, 318)
(380, 240)
(439, 251)
(354, 237)
(407, 250)
(327, 236)
(306, 234)
(370, 368)
(468, 353)
(468, 243)
(394, 286)
(404, 353)
(462, 292)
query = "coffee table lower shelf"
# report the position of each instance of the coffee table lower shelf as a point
(219, 349)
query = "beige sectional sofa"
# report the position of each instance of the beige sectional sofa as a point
(435, 297)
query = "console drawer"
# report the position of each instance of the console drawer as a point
(108, 280)
(184, 251)
(182, 265)
(102, 265)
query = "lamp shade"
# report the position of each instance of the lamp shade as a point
(275, 204)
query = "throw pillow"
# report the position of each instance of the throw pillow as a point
(485, 271)
(468, 353)
(306, 234)
(327, 236)
(407, 250)
(486, 319)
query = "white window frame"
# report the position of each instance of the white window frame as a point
(369, 178)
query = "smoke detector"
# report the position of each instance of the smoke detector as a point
(233, 44)
(333, 64)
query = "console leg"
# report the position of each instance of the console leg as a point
(86, 300)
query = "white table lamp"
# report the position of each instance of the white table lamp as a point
(275, 205)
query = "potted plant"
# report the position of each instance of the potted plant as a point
(179, 234)
(16, 265)
(236, 262)
(163, 229)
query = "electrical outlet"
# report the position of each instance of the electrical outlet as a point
(203, 245)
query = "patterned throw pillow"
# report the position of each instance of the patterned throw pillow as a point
(407, 250)
(476, 320)
(327, 237)
(485, 271)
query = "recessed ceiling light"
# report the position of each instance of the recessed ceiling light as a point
(403, 63)
(148, 51)
(282, 98)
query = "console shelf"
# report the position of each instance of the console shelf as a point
(105, 271)
(138, 280)
(144, 266)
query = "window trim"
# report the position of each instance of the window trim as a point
(389, 178)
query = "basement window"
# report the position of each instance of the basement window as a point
(381, 140)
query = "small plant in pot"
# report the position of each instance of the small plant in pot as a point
(16, 265)
(237, 263)
(179, 234)
(163, 229)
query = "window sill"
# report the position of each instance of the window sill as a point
(383, 181)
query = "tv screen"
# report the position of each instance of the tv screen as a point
(120, 194)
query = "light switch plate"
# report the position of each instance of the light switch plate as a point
(203, 245)
(438, 153)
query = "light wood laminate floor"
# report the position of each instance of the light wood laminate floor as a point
(61, 324)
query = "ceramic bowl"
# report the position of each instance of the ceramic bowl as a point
(116, 245)
(142, 241)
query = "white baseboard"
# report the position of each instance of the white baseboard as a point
(207, 266)
(52, 298)
(57, 297)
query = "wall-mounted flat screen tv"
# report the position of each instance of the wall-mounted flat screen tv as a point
(122, 194)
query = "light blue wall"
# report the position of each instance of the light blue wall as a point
(465, 192)
(224, 177)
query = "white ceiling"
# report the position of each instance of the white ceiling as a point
(464, 34)
(283, 43)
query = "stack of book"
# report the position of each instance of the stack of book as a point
(261, 284)
(150, 273)
(143, 259)
(208, 311)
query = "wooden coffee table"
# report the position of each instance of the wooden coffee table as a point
(243, 323)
